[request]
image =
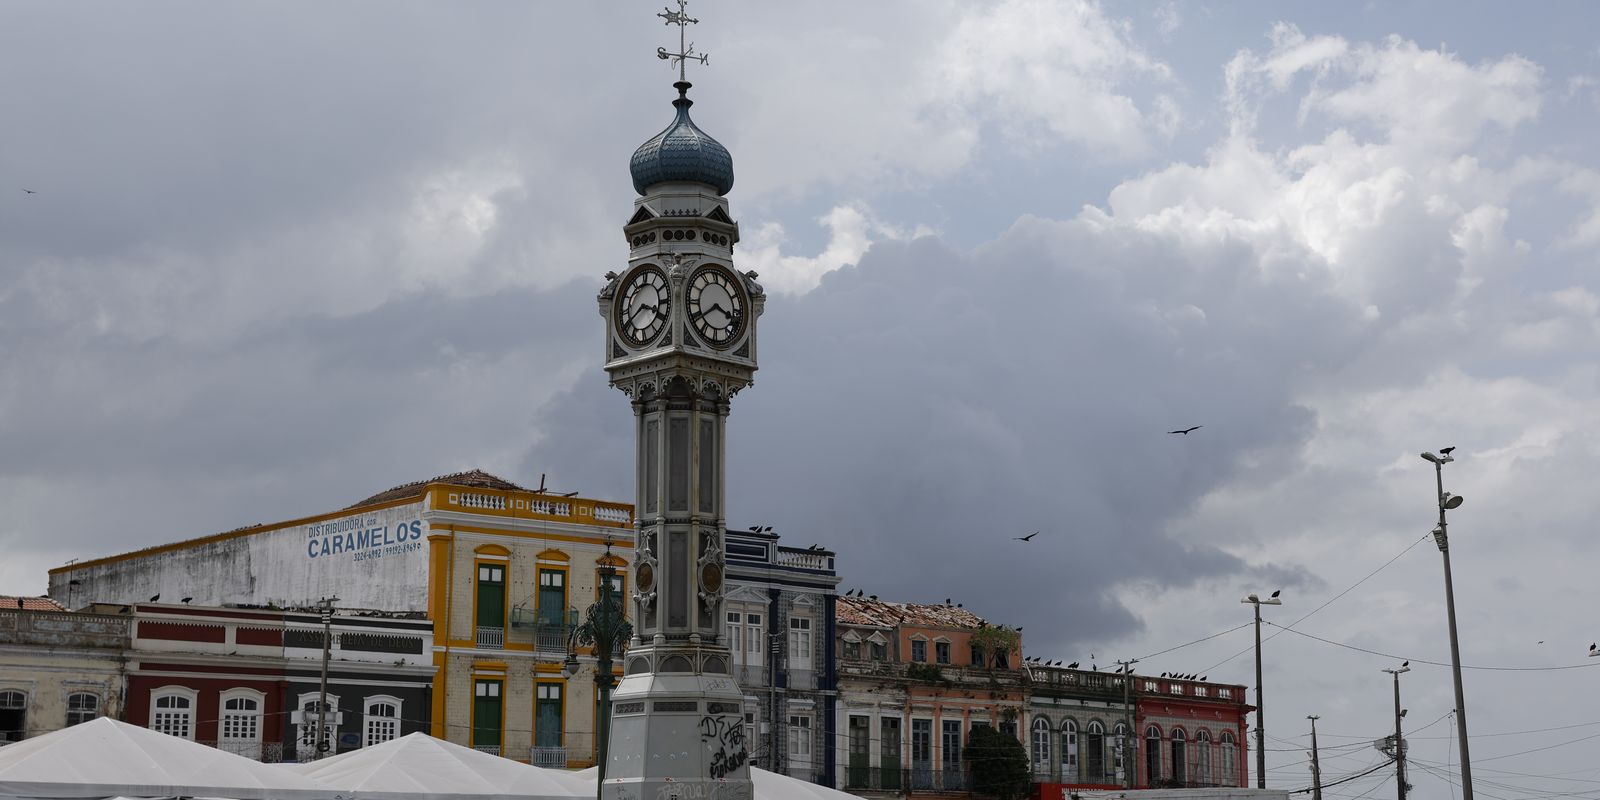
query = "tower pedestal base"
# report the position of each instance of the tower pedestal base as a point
(677, 737)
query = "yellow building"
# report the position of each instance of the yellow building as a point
(503, 571)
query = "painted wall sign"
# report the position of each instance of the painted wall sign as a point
(363, 537)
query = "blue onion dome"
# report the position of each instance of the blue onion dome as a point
(682, 152)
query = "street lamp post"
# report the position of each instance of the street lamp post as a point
(604, 627)
(1399, 743)
(1129, 763)
(1442, 539)
(325, 605)
(1261, 732)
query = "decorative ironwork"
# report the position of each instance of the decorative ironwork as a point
(686, 51)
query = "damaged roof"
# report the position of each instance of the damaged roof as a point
(472, 478)
(866, 611)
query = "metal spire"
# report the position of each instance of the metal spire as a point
(686, 51)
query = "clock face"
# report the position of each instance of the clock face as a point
(642, 308)
(716, 306)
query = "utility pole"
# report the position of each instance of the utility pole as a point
(326, 606)
(1316, 765)
(1441, 538)
(1399, 743)
(1261, 730)
(1128, 738)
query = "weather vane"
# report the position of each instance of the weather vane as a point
(686, 51)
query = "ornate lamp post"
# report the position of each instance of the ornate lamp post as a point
(604, 627)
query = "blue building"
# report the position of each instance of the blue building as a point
(779, 622)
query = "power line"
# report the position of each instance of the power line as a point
(1197, 641)
(1425, 661)
(1330, 601)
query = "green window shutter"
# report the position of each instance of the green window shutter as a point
(487, 714)
(491, 596)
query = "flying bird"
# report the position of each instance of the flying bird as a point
(1187, 431)
(29, 191)
(1026, 538)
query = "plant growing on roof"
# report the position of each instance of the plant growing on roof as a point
(992, 639)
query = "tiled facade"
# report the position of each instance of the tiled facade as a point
(779, 623)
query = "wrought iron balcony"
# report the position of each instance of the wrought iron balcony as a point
(491, 638)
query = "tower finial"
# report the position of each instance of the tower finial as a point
(686, 51)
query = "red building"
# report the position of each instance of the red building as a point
(1190, 733)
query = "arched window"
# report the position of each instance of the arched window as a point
(1069, 751)
(1094, 752)
(82, 707)
(382, 720)
(172, 711)
(1230, 760)
(13, 716)
(1202, 754)
(240, 731)
(306, 739)
(1180, 760)
(1152, 755)
(1041, 746)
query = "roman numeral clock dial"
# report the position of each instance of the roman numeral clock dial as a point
(716, 306)
(642, 309)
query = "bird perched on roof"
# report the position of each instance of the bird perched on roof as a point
(947, 601)
(19, 602)
(872, 597)
(186, 600)
(1187, 431)
(1276, 592)
(155, 597)
(1073, 665)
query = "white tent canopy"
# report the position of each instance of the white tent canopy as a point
(420, 767)
(768, 786)
(107, 758)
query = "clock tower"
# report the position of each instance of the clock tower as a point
(680, 342)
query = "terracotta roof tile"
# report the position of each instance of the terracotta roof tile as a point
(474, 478)
(865, 611)
(8, 603)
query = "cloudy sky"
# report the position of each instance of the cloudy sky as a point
(281, 256)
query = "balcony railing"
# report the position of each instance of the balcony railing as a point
(266, 752)
(556, 757)
(928, 779)
(491, 749)
(492, 638)
(876, 779)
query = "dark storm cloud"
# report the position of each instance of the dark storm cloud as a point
(389, 395)
(918, 410)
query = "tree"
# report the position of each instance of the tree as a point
(998, 762)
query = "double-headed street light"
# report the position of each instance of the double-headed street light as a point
(1261, 733)
(1441, 537)
(1399, 743)
(605, 626)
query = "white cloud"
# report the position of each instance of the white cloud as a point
(852, 229)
